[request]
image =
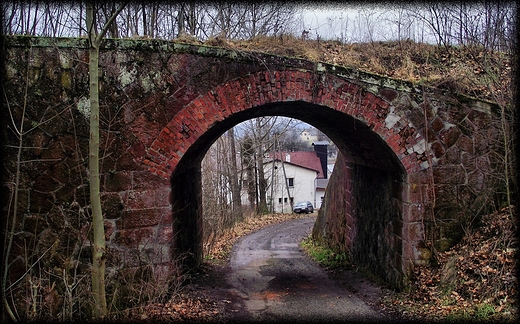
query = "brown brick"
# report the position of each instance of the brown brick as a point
(450, 136)
(135, 237)
(136, 218)
(438, 149)
(413, 212)
(165, 235)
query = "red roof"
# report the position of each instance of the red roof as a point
(306, 159)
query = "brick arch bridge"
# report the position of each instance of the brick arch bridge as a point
(405, 150)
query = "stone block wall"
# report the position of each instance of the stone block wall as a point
(361, 215)
(463, 149)
(138, 218)
(455, 182)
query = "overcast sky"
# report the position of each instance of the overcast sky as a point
(356, 23)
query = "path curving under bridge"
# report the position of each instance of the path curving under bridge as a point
(276, 280)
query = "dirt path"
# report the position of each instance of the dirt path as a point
(273, 279)
(269, 281)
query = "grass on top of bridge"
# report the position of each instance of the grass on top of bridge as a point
(470, 70)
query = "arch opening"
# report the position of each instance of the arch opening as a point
(362, 204)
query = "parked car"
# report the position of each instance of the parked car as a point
(303, 207)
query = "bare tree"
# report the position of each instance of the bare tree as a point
(20, 131)
(233, 176)
(248, 160)
(221, 189)
(266, 18)
(224, 19)
(261, 137)
(98, 254)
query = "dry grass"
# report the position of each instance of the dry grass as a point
(469, 70)
(220, 249)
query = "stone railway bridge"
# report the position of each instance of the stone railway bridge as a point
(412, 158)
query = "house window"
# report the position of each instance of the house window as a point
(279, 200)
(290, 182)
(292, 200)
(285, 200)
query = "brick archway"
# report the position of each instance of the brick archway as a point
(270, 87)
(374, 140)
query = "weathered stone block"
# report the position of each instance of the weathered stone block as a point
(397, 227)
(416, 252)
(109, 229)
(388, 94)
(397, 249)
(449, 136)
(452, 156)
(477, 180)
(437, 149)
(136, 218)
(135, 237)
(468, 160)
(483, 163)
(134, 199)
(413, 212)
(453, 174)
(112, 205)
(413, 231)
(165, 235)
(481, 143)
(117, 181)
(146, 180)
(447, 195)
(465, 143)
(437, 124)
(163, 215)
(162, 197)
(414, 192)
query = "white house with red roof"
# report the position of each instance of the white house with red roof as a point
(294, 177)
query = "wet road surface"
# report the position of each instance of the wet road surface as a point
(277, 281)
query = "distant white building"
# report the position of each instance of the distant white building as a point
(309, 135)
(295, 176)
(292, 177)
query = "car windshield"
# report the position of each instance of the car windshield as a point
(301, 204)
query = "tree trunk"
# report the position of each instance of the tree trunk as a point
(262, 183)
(98, 260)
(235, 185)
(181, 26)
(98, 225)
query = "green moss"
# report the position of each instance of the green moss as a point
(66, 80)
(324, 255)
(443, 245)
